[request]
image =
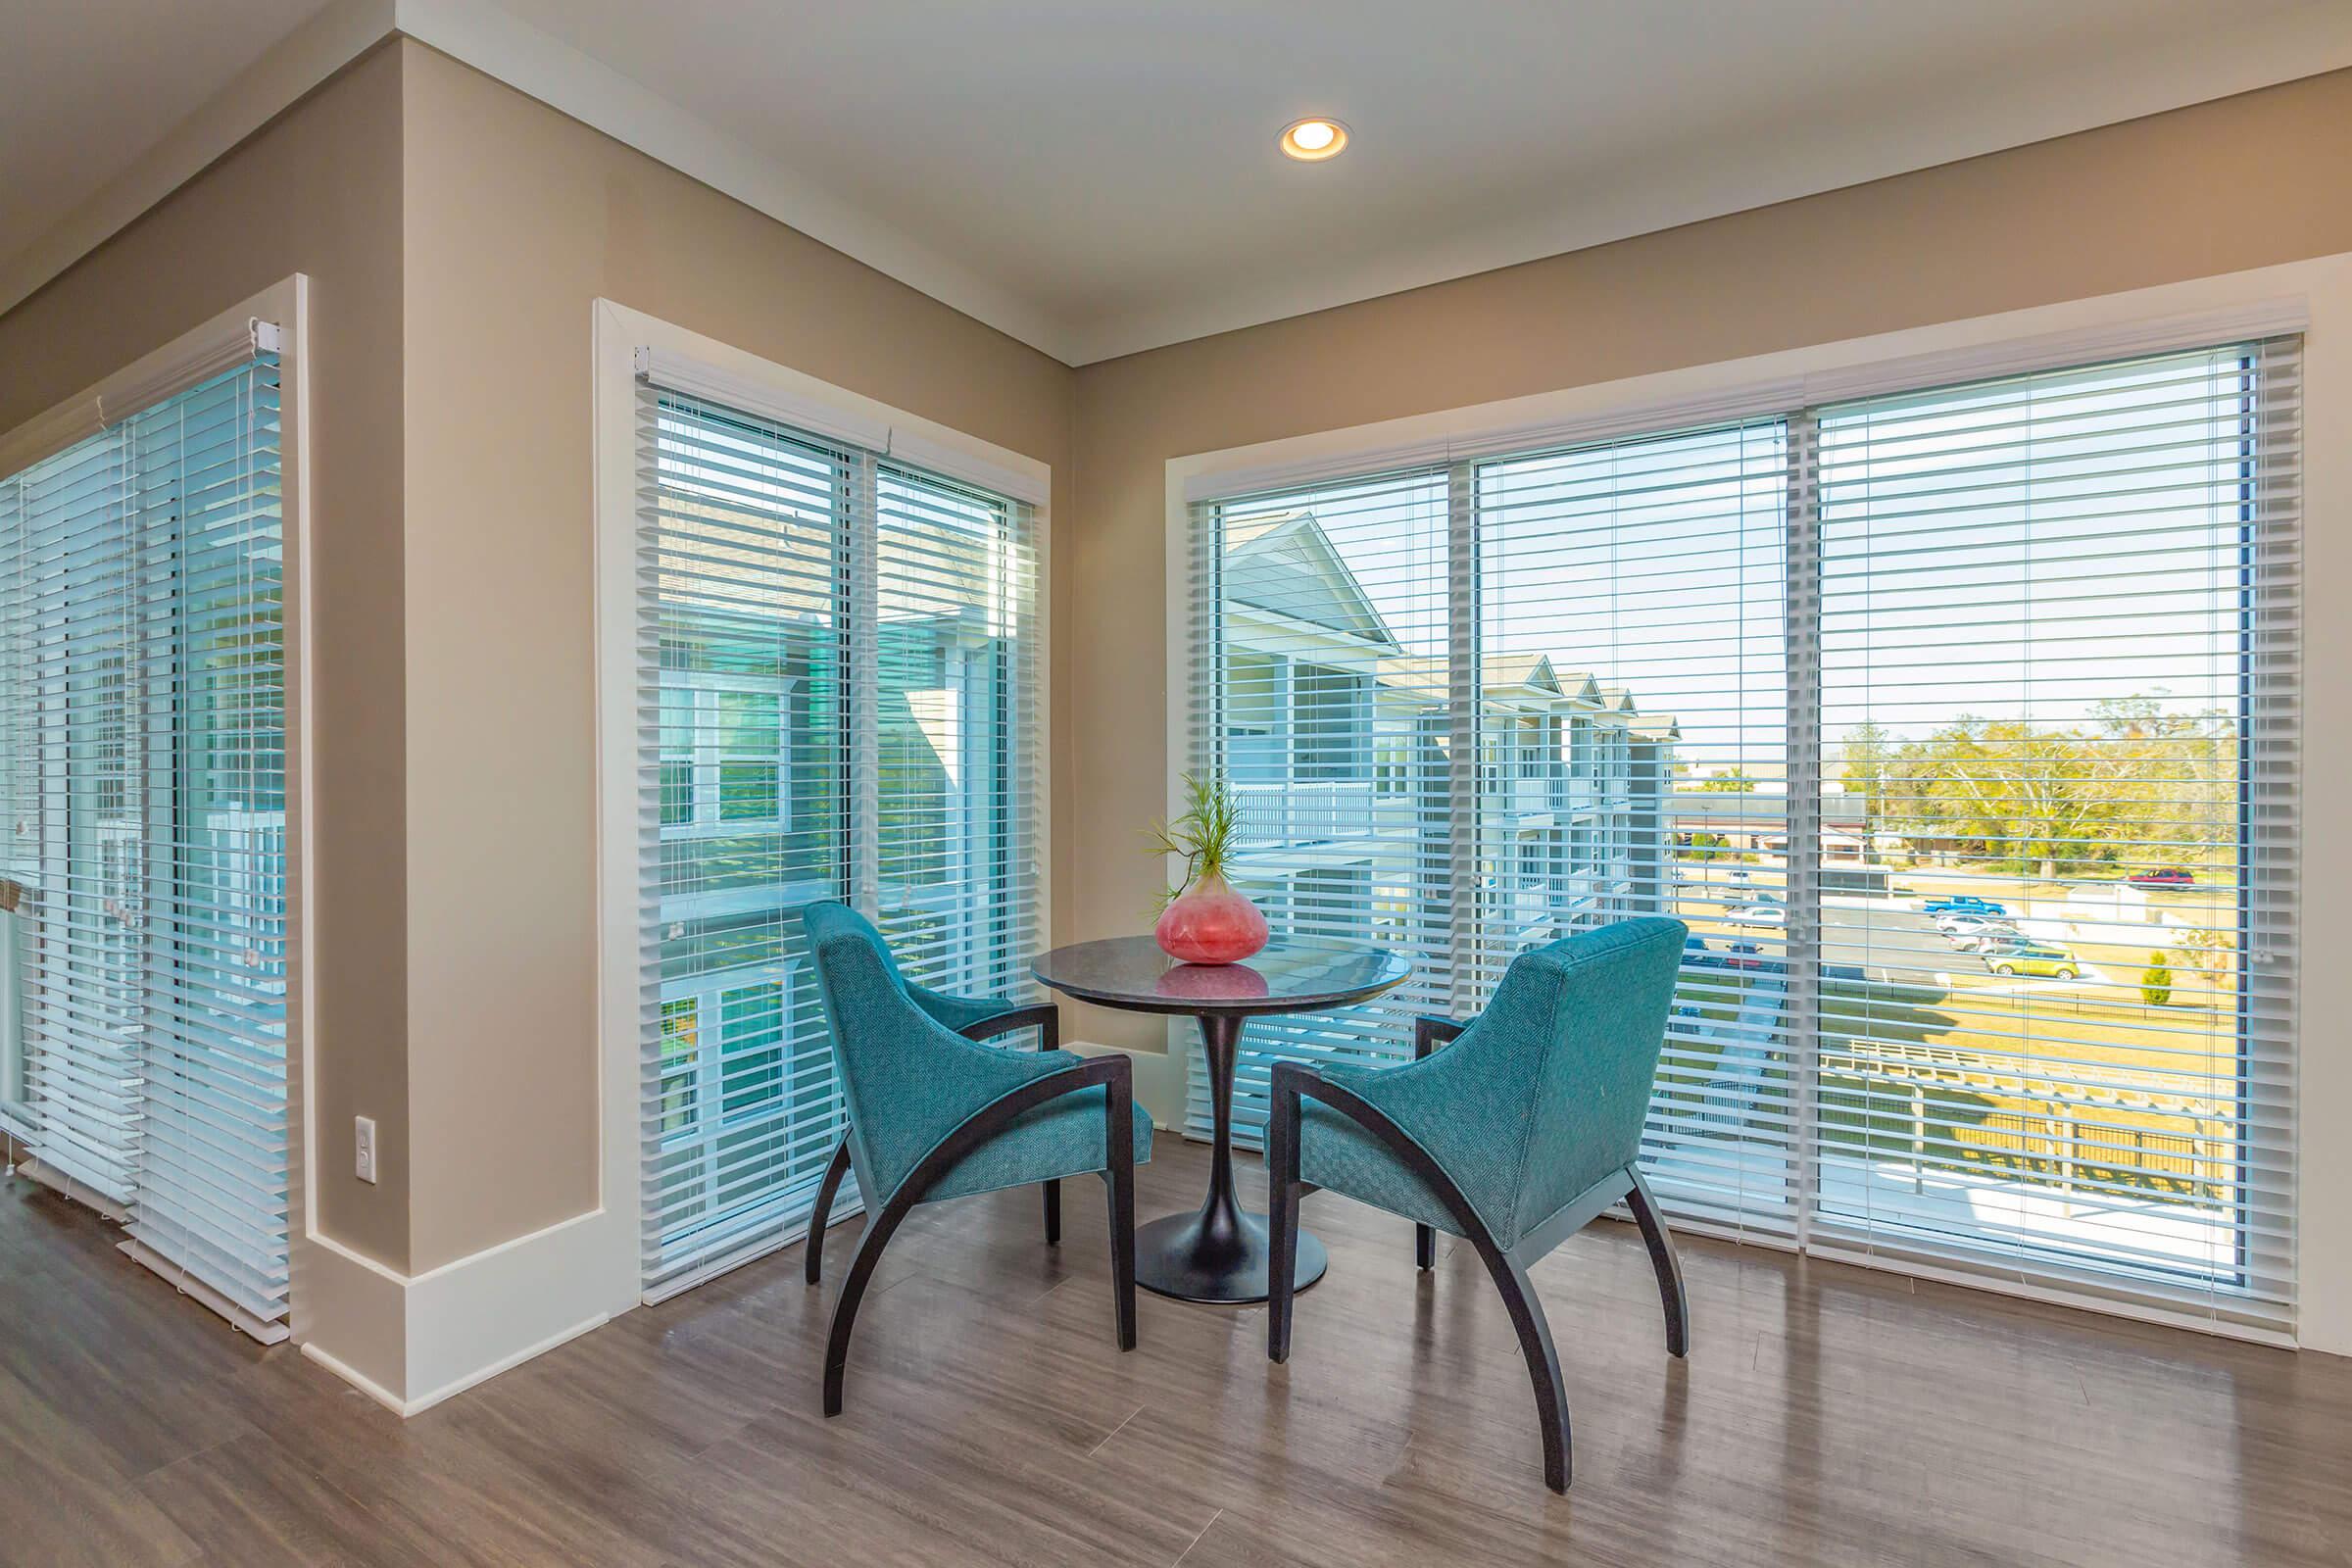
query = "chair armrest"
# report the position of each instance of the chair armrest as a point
(1431, 1033)
(984, 1018)
(1113, 1073)
(1044, 1017)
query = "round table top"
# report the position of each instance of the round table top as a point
(1288, 976)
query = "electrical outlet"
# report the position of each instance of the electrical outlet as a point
(363, 1138)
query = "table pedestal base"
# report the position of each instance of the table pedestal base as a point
(1217, 1253)
(1219, 1258)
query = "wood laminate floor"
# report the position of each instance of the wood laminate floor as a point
(1826, 1415)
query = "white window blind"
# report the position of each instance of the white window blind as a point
(1632, 621)
(838, 655)
(1321, 618)
(141, 618)
(2058, 664)
(1796, 679)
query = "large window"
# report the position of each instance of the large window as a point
(143, 791)
(841, 656)
(1958, 726)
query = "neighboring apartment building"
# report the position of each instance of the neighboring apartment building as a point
(1336, 737)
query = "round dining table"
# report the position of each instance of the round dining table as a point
(1219, 1254)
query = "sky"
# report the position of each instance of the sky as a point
(2023, 549)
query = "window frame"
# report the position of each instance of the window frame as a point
(707, 787)
(2247, 306)
(627, 342)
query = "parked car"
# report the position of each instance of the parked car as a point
(1956, 926)
(1761, 913)
(1992, 940)
(2164, 876)
(1949, 922)
(1696, 955)
(1965, 904)
(1745, 956)
(1986, 940)
(2032, 957)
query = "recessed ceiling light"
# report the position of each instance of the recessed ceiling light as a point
(1310, 141)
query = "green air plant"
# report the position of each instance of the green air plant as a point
(1204, 833)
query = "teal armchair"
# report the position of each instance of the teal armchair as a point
(1514, 1136)
(936, 1113)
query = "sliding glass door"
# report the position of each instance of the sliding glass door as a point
(1631, 594)
(143, 771)
(840, 679)
(2052, 824)
(1958, 725)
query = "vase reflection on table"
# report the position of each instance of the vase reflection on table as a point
(1212, 982)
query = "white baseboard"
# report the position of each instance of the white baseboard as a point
(410, 1342)
(356, 1379)
(404, 1407)
(1159, 1079)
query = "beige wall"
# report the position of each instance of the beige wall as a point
(316, 191)
(517, 218)
(2222, 187)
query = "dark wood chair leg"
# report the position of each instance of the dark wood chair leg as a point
(1052, 1213)
(1543, 1359)
(1118, 1175)
(1115, 1077)
(879, 1228)
(1428, 1035)
(1282, 1218)
(1669, 1267)
(1289, 1081)
(813, 1250)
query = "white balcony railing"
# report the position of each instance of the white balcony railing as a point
(1553, 792)
(1306, 814)
(1531, 797)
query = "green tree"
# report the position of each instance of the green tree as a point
(1729, 781)
(2099, 798)
(2156, 981)
(1863, 766)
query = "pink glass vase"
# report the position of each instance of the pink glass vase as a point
(1210, 923)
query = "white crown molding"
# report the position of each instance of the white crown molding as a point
(288, 69)
(1681, 185)
(500, 45)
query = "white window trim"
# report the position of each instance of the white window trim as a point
(707, 820)
(2312, 297)
(691, 359)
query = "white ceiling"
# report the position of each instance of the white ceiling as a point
(1098, 176)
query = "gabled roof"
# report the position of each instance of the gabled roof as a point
(1520, 669)
(1284, 563)
(1421, 674)
(1617, 699)
(1425, 673)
